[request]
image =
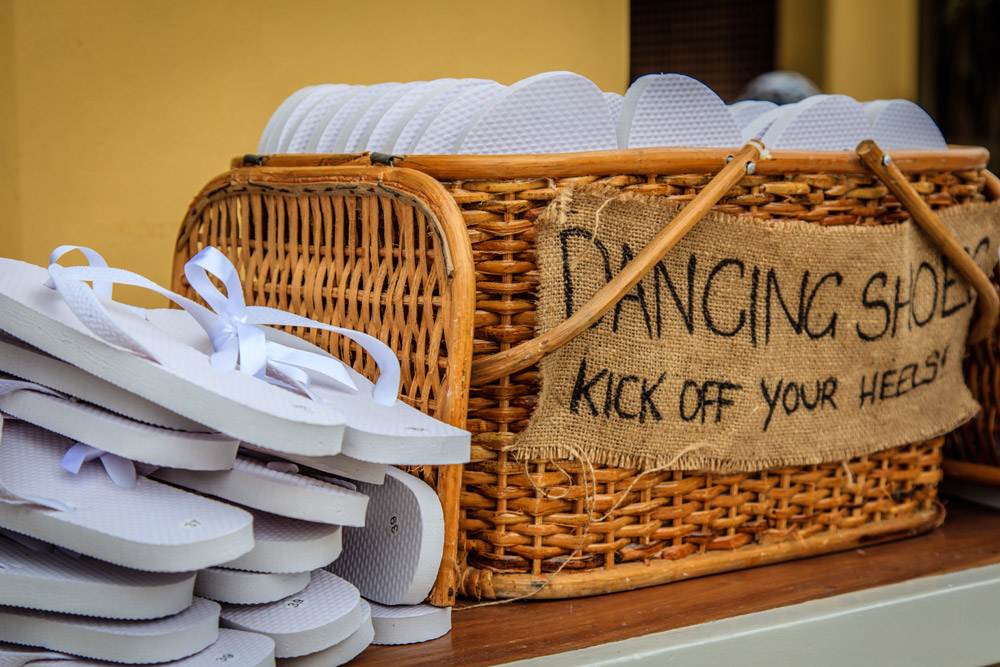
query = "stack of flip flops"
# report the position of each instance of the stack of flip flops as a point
(165, 472)
(563, 112)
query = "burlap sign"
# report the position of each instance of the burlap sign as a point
(753, 344)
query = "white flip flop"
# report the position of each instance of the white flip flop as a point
(235, 403)
(615, 101)
(239, 587)
(821, 123)
(233, 648)
(757, 126)
(53, 581)
(745, 111)
(365, 125)
(113, 433)
(276, 489)
(441, 133)
(903, 124)
(342, 118)
(396, 434)
(276, 123)
(409, 624)
(412, 97)
(295, 116)
(82, 326)
(412, 125)
(340, 465)
(286, 546)
(345, 651)
(135, 642)
(350, 132)
(326, 613)
(318, 108)
(31, 364)
(553, 112)
(298, 113)
(152, 527)
(405, 528)
(675, 110)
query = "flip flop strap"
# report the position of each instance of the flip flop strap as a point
(120, 469)
(231, 327)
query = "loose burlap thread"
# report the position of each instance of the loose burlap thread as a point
(754, 343)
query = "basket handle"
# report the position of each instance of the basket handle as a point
(531, 351)
(988, 303)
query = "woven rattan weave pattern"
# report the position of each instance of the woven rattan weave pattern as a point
(529, 517)
(324, 255)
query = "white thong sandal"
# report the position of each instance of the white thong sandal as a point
(331, 100)
(31, 364)
(152, 527)
(342, 652)
(376, 433)
(409, 624)
(820, 122)
(275, 488)
(552, 112)
(903, 124)
(615, 101)
(276, 123)
(326, 613)
(675, 110)
(745, 111)
(115, 343)
(340, 119)
(365, 125)
(134, 642)
(292, 130)
(405, 528)
(51, 580)
(411, 99)
(411, 126)
(233, 648)
(239, 587)
(113, 433)
(283, 546)
(340, 465)
(441, 132)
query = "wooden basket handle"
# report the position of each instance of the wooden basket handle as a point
(988, 303)
(531, 351)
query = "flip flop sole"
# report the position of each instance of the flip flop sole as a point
(153, 527)
(409, 624)
(234, 403)
(137, 642)
(405, 528)
(326, 613)
(54, 581)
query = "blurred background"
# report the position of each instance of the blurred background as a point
(114, 113)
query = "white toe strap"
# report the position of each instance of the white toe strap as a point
(231, 327)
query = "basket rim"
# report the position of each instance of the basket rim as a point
(639, 161)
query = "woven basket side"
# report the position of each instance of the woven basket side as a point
(978, 441)
(378, 251)
(531, 517)
(520, 519)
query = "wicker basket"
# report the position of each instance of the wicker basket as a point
(973, 451)
(435, 255)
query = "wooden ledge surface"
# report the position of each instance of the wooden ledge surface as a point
(970, 537)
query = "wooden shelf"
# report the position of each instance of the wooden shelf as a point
(969, 538)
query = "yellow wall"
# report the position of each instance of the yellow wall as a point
(799, 37)
(863, 48)
(114, 113)
(871, 48)
(10, 228)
